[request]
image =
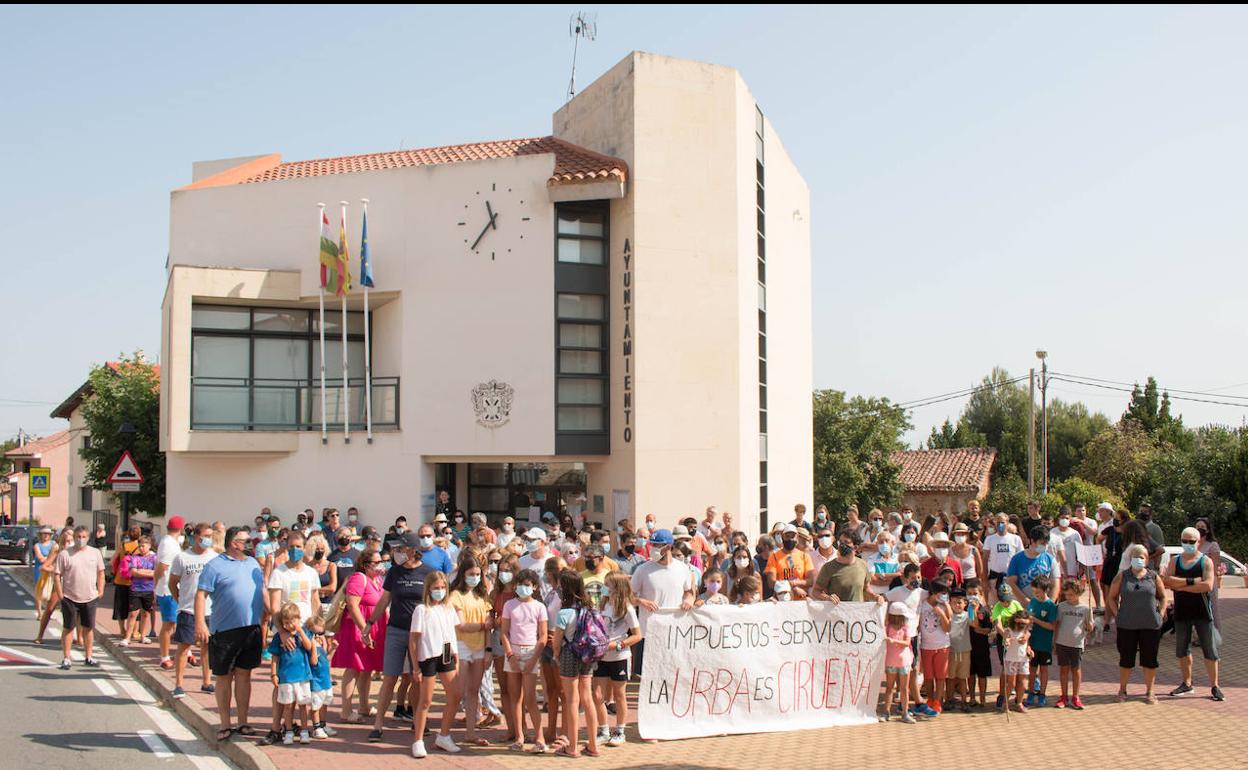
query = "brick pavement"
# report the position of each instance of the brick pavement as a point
(1025, 741)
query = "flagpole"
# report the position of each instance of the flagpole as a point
(346, 390)
(320, 220)
(368, 358)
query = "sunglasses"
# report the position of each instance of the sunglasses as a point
(1190, 542)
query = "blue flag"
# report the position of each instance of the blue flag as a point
(366, 259)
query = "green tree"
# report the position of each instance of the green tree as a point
(1075, 490)
(1071, 427)
(950, 437)
(1118, 457)
(854, 438)
(6, 465)
(1205, 480)
(998, 413)
(126, 392)
(1152, 412)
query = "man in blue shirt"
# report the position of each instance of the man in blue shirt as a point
(430, 556)
(1028, 564)
(235, 583)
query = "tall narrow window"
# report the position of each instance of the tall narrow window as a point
(582, 283)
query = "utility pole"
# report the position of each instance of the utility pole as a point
(1044, 416)
(1031, 436)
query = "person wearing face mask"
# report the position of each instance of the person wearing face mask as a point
(1000, 547)
(825, 549)
(343, 555)
(1065, 540)
(964, 550)
(822, 520)
(628, 557)
(742, 565)
(402, 591)
(940, 559)
(782, 592)
(790, 564)
(1137, 602)
(856, 524)
(460, 526)
(1032, 562)
(846, 577)
(1190, 576)
(184, 573)
(316, 554)
(661, 583)
(169, 547)
(433, 557)
(593, 568)
(78, 576)
(911, 594)
(295, 582)
(507, 533)
(1145, 515)
(472, 604)
(883, 563)
(911, 541)
(537, 551)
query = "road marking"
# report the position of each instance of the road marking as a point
(156, 745)
(28, 602)
(105, 687)
(194, 749)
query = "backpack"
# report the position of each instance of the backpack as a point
(590, 641)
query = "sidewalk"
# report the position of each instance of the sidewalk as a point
(1140, 733)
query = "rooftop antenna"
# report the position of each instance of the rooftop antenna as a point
(581, 25)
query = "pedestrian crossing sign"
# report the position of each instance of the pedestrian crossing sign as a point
(40, 482)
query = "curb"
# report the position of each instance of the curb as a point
(246, 755)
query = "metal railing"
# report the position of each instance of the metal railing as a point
(254, 403)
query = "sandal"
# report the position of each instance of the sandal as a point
(518, 746)
(225, 733)
(538, 748)
(246, 730)
(476, 742)
(587, 751)
(355, 718)
(566, 751)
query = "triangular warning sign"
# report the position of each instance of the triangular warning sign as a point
(125, 470)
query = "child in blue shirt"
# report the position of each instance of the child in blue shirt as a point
(292, 677)
(322, 684)
(1043, 612)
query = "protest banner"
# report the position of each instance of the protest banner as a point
(765, 667)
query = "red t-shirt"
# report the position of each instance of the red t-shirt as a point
(931, 567)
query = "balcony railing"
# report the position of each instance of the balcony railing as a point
(242, 403)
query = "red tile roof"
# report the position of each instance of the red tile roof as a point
(945, 470)
(40, 445)
(573, 164)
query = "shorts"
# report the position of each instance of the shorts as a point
(435, 665)
(523, 655)
(233, 649)
(168, 608)
(1068, 657)
(1204, 631)
(75, 614)
(321, 699)
(397, 661)
(469, 655)
(1145, 640)
(902, 670)
(295, 692)
(995, 578)
(935, 663)
(981, 662)
(142, 601)
(184, 631)
(570, 664)
(615, 670)
(121, 602)
(1016, 668)
(959, 665)
(1041, 657)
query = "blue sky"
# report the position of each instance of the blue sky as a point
(985, 181)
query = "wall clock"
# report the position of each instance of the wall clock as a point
(492, 218)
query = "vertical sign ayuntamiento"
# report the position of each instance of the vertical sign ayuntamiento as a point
(765, 667)
(627, 306)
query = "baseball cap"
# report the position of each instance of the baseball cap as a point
(661, 537)
(408, 540)
(783, 587)
(900, 608)
(177, 522)
(535, 533)
(549, 516)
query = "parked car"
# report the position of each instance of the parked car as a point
(17, 542)
(1234, 573)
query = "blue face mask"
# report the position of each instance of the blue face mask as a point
(438, 594)
(1137, 563)
(472, 581)
(524, 592)
(1000, 529)
(504, 577)
(604, 591)
(1189, 548)
(296, 554)
(885, 550)
(205, 542)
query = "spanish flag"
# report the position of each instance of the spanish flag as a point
(335, 271)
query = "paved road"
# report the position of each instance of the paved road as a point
(101, 718)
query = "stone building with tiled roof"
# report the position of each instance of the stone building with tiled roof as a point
(944, 479)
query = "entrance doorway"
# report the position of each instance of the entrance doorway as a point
(526, 490)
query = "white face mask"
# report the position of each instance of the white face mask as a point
(398, 557)
(656, 554)
(960, 539)
(1063, 523)
(742, 563)
(825, 542)
(942, 553)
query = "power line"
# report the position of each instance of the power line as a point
(20, 402)
(1168, 390)
(1129, 390)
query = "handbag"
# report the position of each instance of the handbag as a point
(335, 611)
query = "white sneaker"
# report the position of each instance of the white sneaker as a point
(604, 733)
(288, 738)
(318, 733)
(331, 732)
(617, 738)
(418, 750)
(304, 737)
(445, 743)
(124, 643)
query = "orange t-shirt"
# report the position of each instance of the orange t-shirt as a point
(790, 565)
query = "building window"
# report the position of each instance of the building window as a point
(259, 369)
(582, 283)
(84, 498)
(86, 441)
(761, 227)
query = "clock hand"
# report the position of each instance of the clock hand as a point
(473, 247)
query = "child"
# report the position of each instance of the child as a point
(1005, 608)
(898, 659)
(322, 684)
(574, 673)
(747, 589)
(1043, 612)
(959, 650)
(934, 623)
(524, 625)
(292, 677)
(504, 590)
(432, 646)
(782, 591)
(981, 651)
(611, 675)
(712, 581)
(1074, 623)
(142, 568)
(1017, 652)
(911, 593)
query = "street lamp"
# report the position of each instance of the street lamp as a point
(1043, 355)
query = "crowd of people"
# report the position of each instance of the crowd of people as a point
(505, 621)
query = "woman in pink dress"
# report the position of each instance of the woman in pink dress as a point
(360, 648)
